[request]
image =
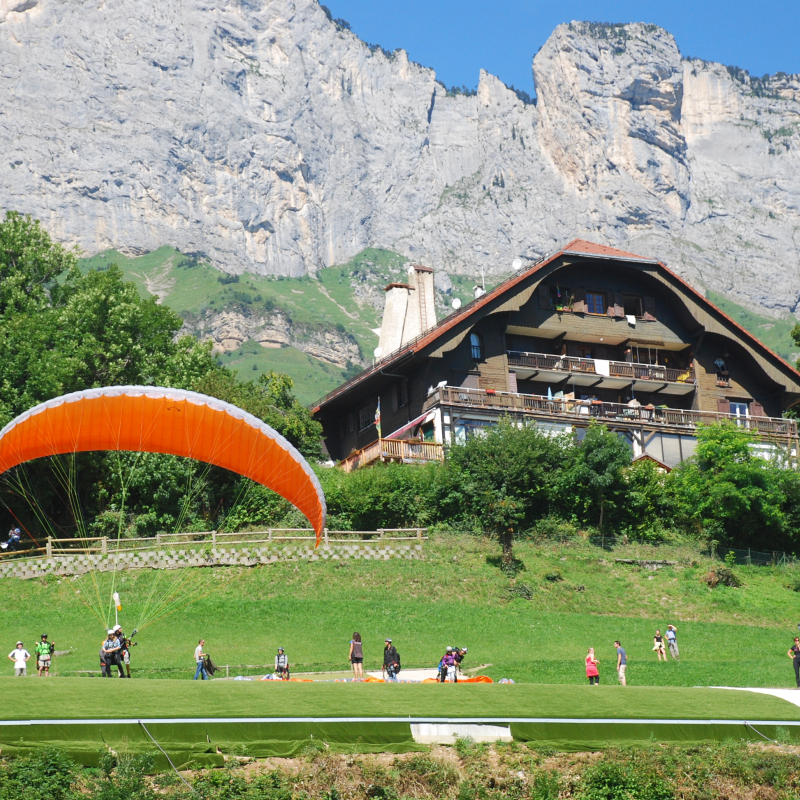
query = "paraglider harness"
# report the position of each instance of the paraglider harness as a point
(282, 666)
(391, 661)
(209, 666)
(13, 540)
(124, 654)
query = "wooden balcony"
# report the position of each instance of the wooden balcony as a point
(582, 411)
(408, 452)
(602, 374)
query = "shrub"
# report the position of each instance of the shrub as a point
(48, 775)
(721, 576)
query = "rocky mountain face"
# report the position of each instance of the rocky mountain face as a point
(263, 135)
(233, 327)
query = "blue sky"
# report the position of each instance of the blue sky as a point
(458, 37)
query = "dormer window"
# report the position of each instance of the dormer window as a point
(476, 347)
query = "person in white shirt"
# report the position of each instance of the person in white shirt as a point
(199, 655)
(20, 658)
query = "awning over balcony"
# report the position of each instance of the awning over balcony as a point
(398, 434)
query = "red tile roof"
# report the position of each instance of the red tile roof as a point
(591, 248)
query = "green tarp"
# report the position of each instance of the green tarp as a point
(578, 736)
(202, 744)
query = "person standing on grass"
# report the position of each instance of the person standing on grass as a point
(391, 661)
(19, 655)
(458, 655)
(592, 673)
(357, 657)
(622, 663)
(111, 647)
(794, 654)
(658, 646)
(672, 642)
(282, 665)
(44, 651)
(199, 658)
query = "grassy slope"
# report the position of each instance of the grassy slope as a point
(733, 637)
(774, 333)
(88, 699)
(328, 302)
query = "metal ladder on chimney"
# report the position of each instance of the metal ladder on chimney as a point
(423, 311)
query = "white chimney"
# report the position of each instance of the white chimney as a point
(409, 309)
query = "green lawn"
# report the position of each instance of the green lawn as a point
(457, 595)
(95, 699)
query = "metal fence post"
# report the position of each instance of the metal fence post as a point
(49, 547)
(326, 535)
(158, 540)
(104, 545)
(214, 540)
(269, 535)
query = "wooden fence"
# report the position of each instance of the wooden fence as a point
(104, 545)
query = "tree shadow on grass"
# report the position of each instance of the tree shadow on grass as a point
(510, 570)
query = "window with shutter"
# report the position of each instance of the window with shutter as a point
(723, 406)
(632, 305)
(595, 303)
(650, 308)
(544, 296)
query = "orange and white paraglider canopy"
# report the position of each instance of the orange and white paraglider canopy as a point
(156, 420)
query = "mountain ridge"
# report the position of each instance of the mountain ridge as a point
(267, 139)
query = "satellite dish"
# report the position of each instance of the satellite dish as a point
(377, 352)
(456, 304)
(516, 264)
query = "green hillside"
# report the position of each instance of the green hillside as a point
(340, 299)
(774, 333)
(535, 628)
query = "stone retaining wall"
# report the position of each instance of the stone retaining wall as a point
(164, 559)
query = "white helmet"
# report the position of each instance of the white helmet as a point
(110, 632)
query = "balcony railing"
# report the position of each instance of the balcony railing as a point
(617, 369)
(584, 410)
(393, 450)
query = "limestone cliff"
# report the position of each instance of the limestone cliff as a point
(259, 133)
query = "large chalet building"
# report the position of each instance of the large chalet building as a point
(589, 333)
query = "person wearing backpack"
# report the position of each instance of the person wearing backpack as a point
(391, 661)
(44, 651)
